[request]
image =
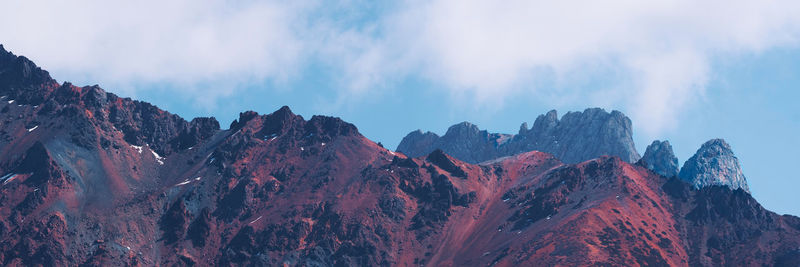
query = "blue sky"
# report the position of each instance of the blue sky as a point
(683, 71)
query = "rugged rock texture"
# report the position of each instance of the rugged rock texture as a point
(577, 137)
(714, 164)
(26, 83)
(660, 159)
(418, 142)
(463, 141)
(77, 189)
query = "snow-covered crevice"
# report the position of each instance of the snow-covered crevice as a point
(138, 148)
(270, 137)
(159, 158)
(259, 218)
(34, 128)
(187, 181)
(8, 178)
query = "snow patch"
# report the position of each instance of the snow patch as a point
(34, 128)
(187, 181)
(302, 149)
(159, 158)
(259, 218)
(270, 137)
(10, 101)
(8, 178)
(323, 144)
(138, 148)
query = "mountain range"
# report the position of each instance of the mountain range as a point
(93, 179)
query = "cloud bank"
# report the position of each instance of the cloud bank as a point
(660, 53)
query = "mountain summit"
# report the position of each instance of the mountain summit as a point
(577, 137)
(714, 164)
(660, 159)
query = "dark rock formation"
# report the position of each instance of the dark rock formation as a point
(199, 129)
(22, 80)
(577, 137)
(439, 158)
(660, 159)
(418, 142)
(714, 164)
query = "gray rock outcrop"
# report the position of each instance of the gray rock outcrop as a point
(714, 164)
(660, 159)
(418, 142)
(577, 137)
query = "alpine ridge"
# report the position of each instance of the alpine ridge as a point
(577, 137)
(88, 178)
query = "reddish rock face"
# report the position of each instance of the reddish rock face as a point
(91, 178)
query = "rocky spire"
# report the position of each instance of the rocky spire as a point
(714, 164)
(660, 159)
(545, 122)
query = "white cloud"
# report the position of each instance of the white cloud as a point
(184, 43)
(660, 51)
(664, 48)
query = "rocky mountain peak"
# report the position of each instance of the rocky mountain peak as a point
(660, 159)
(577, 137)
(284, 121)
(417, 141)
(331, 126)
(714, 164)
(22, 80)
(545, 122)
(523, 128)
(199, 129)
(244, 117)
(581, 136)
(463, 129)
